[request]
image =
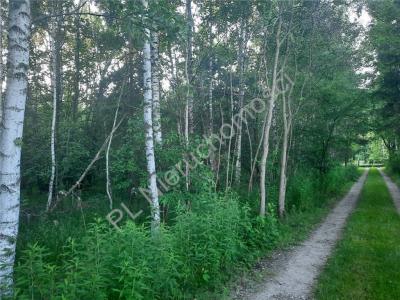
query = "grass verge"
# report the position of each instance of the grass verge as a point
(366, 262)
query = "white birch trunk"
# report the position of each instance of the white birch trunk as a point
(211, 117)
(156, 88)
(210, 95)
(148, 125)
(189, 71)
(54, 118)
(108, 179)
(283, 177)
(288, 116)
(268, 122)
(227, 181)
(189, 96)
(11, 137)
(1, 65)
(238, 164)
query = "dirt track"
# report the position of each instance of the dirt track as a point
(294, 273)
(393, 189)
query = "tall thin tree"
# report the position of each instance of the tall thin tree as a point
(11, 136)
(148, 122)
(56, 87)
(268, 119)
(155, 83)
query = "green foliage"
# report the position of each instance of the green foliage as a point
(393, 164)
(307, 190)
(337, 177)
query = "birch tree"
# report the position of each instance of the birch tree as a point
(188, 72)
(211, 88)
(155, 83)
(148, 124)
(268, 119)
(56, 89)
(11, 136)
(77, 65)
(1, 63)
(241, 60)
(287, 116)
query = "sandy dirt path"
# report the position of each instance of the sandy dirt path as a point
(393, 190)
(294, 276)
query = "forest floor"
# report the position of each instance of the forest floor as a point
(292, 274)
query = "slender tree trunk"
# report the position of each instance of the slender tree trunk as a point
(189, 62)
(211, 117)
(156, 88)
(56, 85)
(77, 63)
(241, 58)
(53, 121)
(189, 95)
(283, 177)
(11, 137)
(108, 183)
(227, 181)
(267, 127)
(148, 125)
(1, 65)
(210, 95)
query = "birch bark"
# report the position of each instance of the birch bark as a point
(241, 58)
(268, 122)
(156, 87)
(148, 125)
(56, 84)
(287, 122)
(11, 137)
(1, 64)
(189, 97)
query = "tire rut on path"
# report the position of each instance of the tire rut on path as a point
(295, 277)
(393, 190)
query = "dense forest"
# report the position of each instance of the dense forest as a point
(152, 149)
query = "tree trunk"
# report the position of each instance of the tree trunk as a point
(268, 122)
(189, 95)
(211, 117)
(227, 181)
(148, 125)
(241, 57)
(11, 137)
(210, 94)
(1, 65)
(55, 37)
(283, 177)
(156, 88)
(77, 63)
(53, 121)
(108, 179)
(189, 62)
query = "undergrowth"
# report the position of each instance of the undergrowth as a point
(194, 255)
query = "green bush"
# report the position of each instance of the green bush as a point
(393, 164)
(196, 253)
